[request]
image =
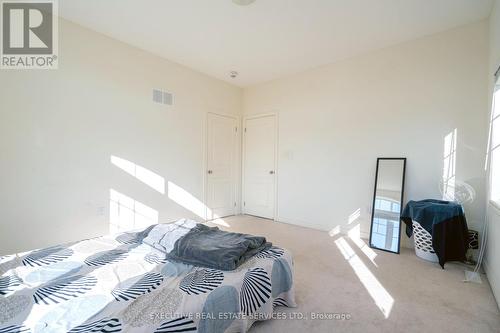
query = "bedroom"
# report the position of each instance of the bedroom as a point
(124, 121)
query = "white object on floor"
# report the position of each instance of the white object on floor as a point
(472, 276)
(475, 276)
(423, 243)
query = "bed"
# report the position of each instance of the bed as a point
(117, 283)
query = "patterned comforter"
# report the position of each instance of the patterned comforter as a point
(116, 283)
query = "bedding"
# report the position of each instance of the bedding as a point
(119, 283)
(164, 235)
(213, 248)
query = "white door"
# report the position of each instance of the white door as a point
(259, 179)
(221, 165)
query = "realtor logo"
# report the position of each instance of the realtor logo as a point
(29, 35)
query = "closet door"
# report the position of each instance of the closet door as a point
(221, 165)
(259, 164)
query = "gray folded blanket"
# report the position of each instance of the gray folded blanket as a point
(210, 247)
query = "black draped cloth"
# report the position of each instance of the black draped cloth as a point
(446, 223)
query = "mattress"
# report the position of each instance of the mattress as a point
(116, 283)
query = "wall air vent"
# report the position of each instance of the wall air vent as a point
(162, 97)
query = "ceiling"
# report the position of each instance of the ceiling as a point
(269, 38)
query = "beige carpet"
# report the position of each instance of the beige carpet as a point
(387, 293)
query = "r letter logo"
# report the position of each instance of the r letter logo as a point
(29, 35)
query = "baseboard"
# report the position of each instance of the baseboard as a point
(344, 229)
(300, 223)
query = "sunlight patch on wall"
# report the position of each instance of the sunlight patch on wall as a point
(354, 216)
(494, 147)
(126, 213)
(378, 293)
(144, 175)
(185, 199)
(449, 165)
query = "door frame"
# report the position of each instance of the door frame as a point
(236, 161)
(243, 156)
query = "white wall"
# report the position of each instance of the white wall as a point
(492, 259)
(334, 121)
(59, 128)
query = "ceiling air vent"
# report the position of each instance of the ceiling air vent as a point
(162, 97)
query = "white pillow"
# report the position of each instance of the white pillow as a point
(163, 236)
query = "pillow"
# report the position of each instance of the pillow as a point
(163, 236)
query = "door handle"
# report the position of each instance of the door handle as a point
(209, 172)
(271, 172)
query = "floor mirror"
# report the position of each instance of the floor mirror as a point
(385, 230)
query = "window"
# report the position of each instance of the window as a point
(387, 205)
(495, 145)
(385, 227)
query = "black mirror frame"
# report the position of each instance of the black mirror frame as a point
(401, 205)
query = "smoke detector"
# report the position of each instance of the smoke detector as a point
(233, 74)
(243, 2)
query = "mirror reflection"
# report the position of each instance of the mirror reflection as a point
(387, 201)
